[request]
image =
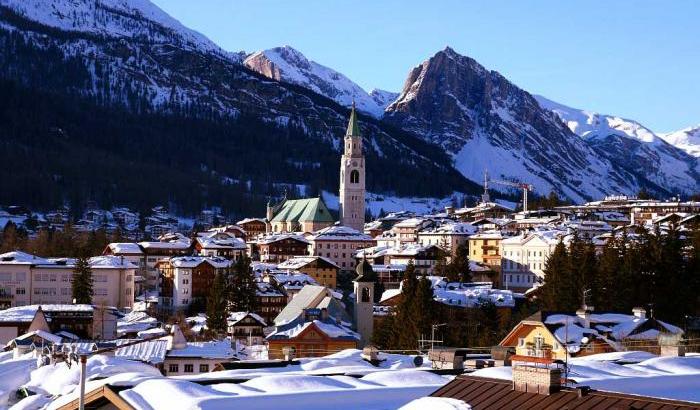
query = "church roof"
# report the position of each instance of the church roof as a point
(303, 210)
(353, 126)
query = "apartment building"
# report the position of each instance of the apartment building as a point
(27, 279)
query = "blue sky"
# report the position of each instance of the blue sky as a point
(637, 59)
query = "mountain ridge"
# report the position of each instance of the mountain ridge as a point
(487, 122)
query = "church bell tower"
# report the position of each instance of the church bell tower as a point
(352, 177)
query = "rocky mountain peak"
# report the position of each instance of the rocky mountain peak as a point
(290, 65)
(485, 122)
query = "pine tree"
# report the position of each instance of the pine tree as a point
(384, 337)
(582, 271)
(423, 306)
(555, 275)
(242, 288)
(608, 278)
(379, 289)
(217, 305)
(82, 281)
(405, 334)
(458, 269)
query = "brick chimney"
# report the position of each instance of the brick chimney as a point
(536, 379)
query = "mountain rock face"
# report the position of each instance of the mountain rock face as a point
(687, 139)
(131, 55)
(485, 122)
(629, 144)
(289, 65)
(453, 119)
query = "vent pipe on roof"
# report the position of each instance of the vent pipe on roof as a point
(639, 312)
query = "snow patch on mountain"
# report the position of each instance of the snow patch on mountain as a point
(289, 65)
(115, 18)
(632, 145)
(589, 124)
(687, 139)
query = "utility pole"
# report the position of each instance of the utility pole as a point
(81, 400)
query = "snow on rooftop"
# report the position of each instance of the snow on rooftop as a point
(23, 258)
(26, 313)
(436, 403)
(126, 248)
(194, 261)
(675, 378)
(152, 351)
(340, 233)
(297, 262)
(236, 317)
(206, 350)
(330, 329)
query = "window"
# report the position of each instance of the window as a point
(52, 277)
(203, 368)
(365, 295)
(20, 291)
(189, 368)
(354, 177)
(173, 368)
(521, 341)
(21, 276)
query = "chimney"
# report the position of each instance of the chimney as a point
(536, 379)
(639, 312)
(585, 315)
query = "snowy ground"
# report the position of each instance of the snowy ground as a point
(645, 374)
(325, 382)
(419, 205)
(313, 384)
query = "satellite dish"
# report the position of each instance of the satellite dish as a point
(418, 361)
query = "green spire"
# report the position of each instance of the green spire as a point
(353, 126)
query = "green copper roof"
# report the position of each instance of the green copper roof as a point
(353, 126)
(303, 210)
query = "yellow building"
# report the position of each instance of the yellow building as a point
(322, 269)
(485, 247)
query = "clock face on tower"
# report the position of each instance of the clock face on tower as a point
(354, 163)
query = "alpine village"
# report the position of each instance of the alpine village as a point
(183, 227)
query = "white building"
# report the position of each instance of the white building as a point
(448, 236)
(186, 278)
(523, 258)
(28, 279)
(338, 244)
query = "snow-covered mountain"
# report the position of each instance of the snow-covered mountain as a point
(485, 122)
(132, 19)
(128, 55)
(687, 139)
(290, 65)
(631, 145)
(452, 120)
